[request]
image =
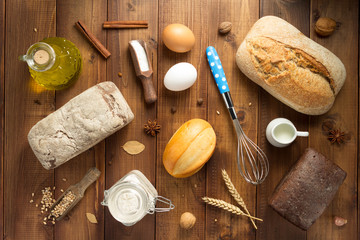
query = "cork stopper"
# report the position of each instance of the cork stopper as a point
(41, 57)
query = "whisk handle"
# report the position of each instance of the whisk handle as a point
(229, 104)
(217, 69)
(220, 79)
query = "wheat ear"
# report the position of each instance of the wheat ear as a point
(235, 193)
(227, 206)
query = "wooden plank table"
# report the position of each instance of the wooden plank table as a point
(23, 103)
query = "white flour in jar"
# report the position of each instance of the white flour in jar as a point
(141, 55)
(128, 203)
(132, 197)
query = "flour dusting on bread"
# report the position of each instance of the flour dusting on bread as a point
(293, 68)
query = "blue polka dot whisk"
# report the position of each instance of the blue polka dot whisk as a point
(252, 162)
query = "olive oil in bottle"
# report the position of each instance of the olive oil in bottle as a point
(54, 63)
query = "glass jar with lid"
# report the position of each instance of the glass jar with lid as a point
(132, 197)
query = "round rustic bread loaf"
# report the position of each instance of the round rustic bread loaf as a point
(290, 66)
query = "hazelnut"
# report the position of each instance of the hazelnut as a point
(187, 220)
(325, 26)
(225, 27)
(339, 221)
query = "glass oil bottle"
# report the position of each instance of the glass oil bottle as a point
(54, 63)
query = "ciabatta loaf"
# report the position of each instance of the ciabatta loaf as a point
(290, 66)
(80, 124)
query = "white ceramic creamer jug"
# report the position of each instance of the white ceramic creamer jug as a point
(281, 132)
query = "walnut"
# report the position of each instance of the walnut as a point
(325, 26)
(225, 27)
(187, 220)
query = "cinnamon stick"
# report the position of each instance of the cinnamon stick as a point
(91, 37)
(123, 26)
(139, 22)
(126, 24)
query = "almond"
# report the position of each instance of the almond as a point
(339, 221)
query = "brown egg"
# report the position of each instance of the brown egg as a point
(178, 38)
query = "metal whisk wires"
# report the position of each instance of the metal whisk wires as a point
(252, 162)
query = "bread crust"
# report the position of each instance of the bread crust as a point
(81, 123)
(298, 94)
(307, 189)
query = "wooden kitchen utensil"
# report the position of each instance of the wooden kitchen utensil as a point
(143, 69)
(76, 190)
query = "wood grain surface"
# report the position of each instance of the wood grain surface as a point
(281, 159)
(118, 161)
(220, 224)
(23, 103)
(93, 14)
(186, 193)
(2, 107)
(344, 112)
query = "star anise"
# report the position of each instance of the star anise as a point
(152, 128)
(336, 136)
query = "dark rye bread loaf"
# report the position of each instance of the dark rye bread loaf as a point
(304, 193)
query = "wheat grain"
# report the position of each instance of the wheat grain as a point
(227, 206)
(235, 194)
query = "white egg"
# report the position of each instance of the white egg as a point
(181, 76)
